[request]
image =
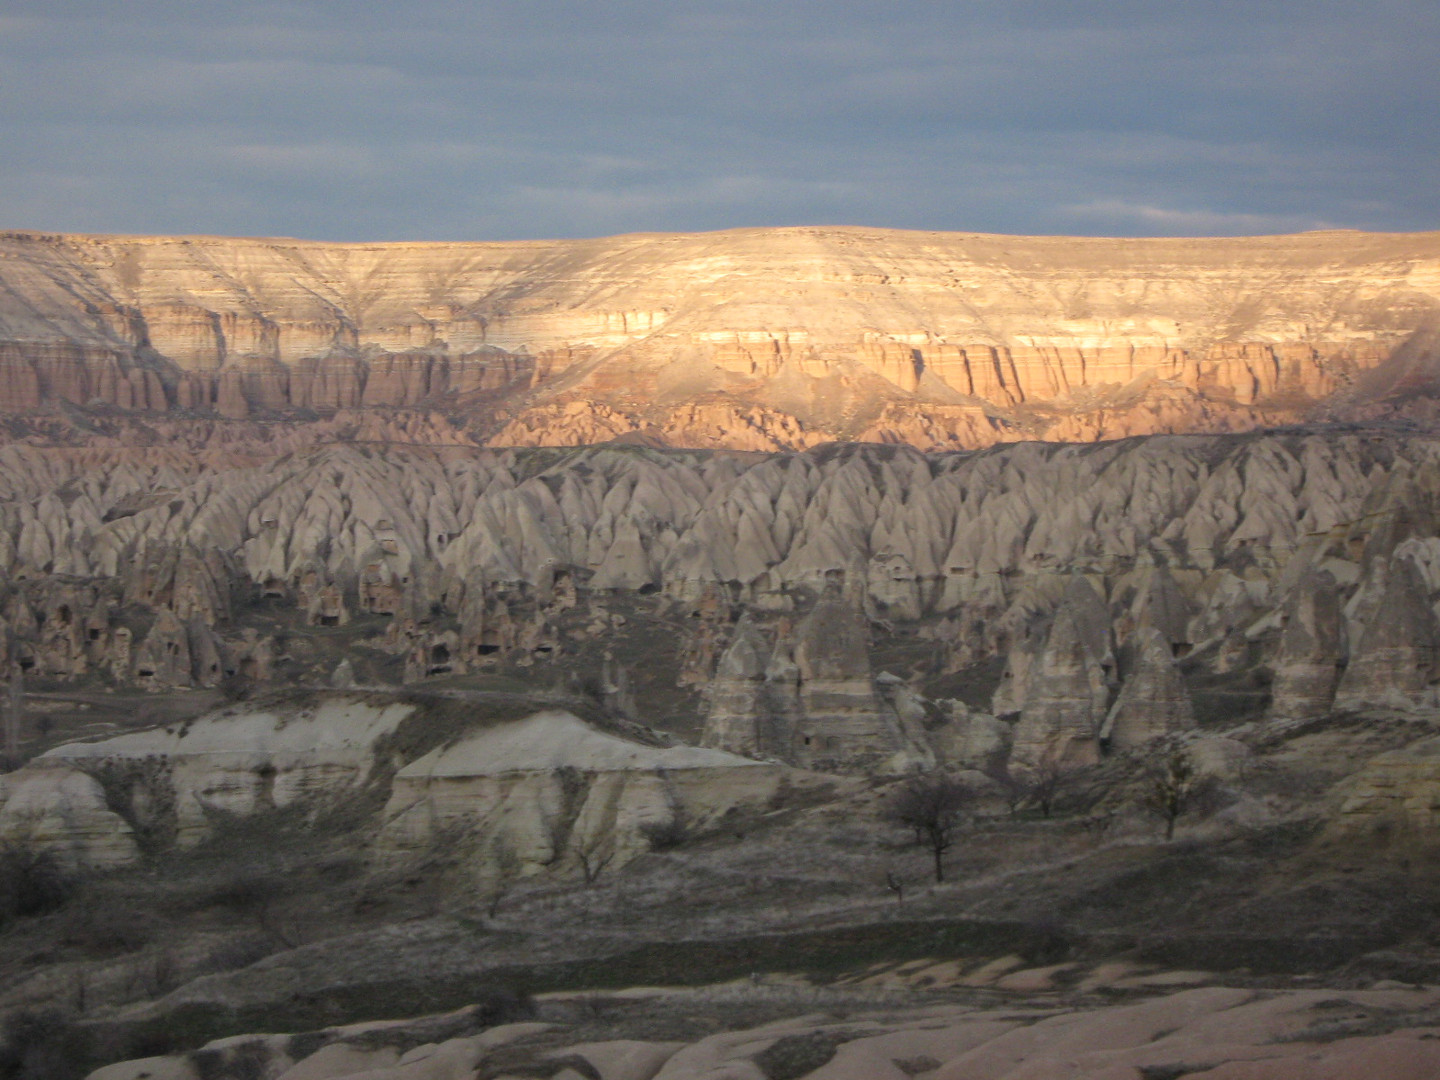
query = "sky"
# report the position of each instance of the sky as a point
(499, 120)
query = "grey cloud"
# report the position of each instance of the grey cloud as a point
(442, 119)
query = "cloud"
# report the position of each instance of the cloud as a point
(1170, 222)
(507, 119)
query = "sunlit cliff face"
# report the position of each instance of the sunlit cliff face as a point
(749, 339)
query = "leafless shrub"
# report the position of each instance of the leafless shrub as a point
(667, 835)
(931, 804)
(895, 885)
(1046, 786)
(32, 881)
(43, 1046)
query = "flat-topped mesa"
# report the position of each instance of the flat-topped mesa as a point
(750, 339)
(553, 792)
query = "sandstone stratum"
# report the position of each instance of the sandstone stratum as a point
(760, 339)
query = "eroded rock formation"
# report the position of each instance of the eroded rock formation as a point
(545, 791)
(754, 339)
(780, 574)
(551, 790)
(1153, 701)
(1233, 1032)
(1396, 663)
(1311, 650)
(1067, 684)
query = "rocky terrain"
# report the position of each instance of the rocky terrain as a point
(480, 660)
(335, 734)
(759, 339)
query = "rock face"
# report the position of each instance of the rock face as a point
(755, 339)
(553, 791)
(547, 791)
(782, 575)
(102, 803)
(1067, 684)
(1396, 663)
(148, 566)
(1153, 700)
(810, 697)
(1393, 800)
(740, 716)
(1311, 650)
(843, 721)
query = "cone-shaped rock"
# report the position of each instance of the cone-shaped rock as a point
(1307, 665)
(1153, 702)
(736, 695)
(1067, 687)
(1396, 662)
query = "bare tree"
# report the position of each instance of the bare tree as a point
(895, 885)
(1171, 789)
(1046, 786)
(931, 805)
(1013, 789)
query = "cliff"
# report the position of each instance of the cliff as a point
(756, 339)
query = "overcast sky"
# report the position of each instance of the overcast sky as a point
(449, 120)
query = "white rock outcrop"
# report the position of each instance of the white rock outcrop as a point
(552, 790)
(96, 802)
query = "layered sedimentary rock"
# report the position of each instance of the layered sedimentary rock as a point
(1393, 800)
(805, 694)
(760, 339)
(1067, 684)
(738, 716)
(549, 790)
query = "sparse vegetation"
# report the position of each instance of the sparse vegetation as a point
(1172, 789)
(668, 834)
(32, 881)
(43, 1045)
(1045, 786)
(931, 804)
(793, 1056)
